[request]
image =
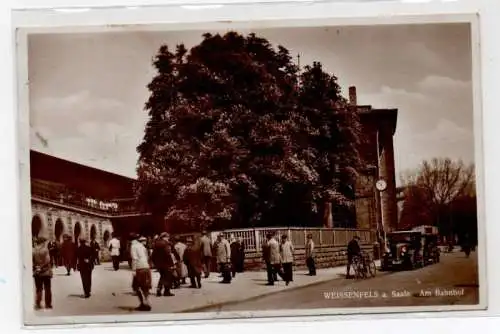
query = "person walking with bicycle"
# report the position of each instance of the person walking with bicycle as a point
(353, 251)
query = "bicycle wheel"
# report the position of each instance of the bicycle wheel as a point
(372, 269)
(358, 270)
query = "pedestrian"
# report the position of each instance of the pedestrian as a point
(235, 255)
(52, 246)
(274, 260)
(42, 273)
(180, 248)
(68, 252)
(193, 258)
(215, 247)
(353, 250)
(114, 250)
(207, 253)
(241, 257)
(85, 263)
(176, 283)
(310, 254)
(58, 253)
(141, 279)
(466, 247)
(266, 257)
(224, 258)
(286, 254)
(164, 263)
(96, 248)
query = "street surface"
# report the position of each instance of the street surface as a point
(453, 281)
(111, 290)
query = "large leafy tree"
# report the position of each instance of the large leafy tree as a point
(333, 133)
(232, 137)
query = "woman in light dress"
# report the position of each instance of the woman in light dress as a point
(182, 271)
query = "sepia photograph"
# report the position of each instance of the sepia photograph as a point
(250, 172)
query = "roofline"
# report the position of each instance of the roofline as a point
(392, 113)
(82, 165)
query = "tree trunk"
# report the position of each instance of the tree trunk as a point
(327, 215)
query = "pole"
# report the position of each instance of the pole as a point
(381, 211)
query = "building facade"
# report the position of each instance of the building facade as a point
(79, 201)
(376, 209)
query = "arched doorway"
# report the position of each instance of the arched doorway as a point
(59, 230)
(93, 233)
(77, 232)
(106, 237)
(36, 226)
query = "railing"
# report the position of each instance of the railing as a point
(63, 196)
(253, 239)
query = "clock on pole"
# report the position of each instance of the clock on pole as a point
(381, 185)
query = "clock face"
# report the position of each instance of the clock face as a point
(381, 185)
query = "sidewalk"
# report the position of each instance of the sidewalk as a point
(112, 293)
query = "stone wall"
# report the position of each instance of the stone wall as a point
(326, 257)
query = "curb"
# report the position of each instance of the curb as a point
(233, 302)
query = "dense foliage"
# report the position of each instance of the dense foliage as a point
(238, 137)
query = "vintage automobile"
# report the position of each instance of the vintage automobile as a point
(410, 249)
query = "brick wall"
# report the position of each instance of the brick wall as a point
(366, 215)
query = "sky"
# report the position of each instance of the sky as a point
(88, 90)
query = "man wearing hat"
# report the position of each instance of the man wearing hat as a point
(310, 252)
(68, 252)
(42, 272)
(85, 262)
(141, 280)
(206, 247)
(164, 263)
(193, 257)
(224, 258)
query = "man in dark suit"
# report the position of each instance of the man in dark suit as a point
(193, 257)
(85, 262)
(96, 248)
(164, 263)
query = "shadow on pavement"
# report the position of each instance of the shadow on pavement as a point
(259, 280)
(129, 293)
(127, 308)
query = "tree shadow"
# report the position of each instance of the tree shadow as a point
(126, 308)
(259, 279)
(130, 293)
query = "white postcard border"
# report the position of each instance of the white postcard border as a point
(341, 19)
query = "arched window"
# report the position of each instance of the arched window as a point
(36, 226)
(59, 230)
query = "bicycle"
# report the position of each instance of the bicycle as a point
(364, 266)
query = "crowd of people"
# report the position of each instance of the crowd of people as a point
(176, 260)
